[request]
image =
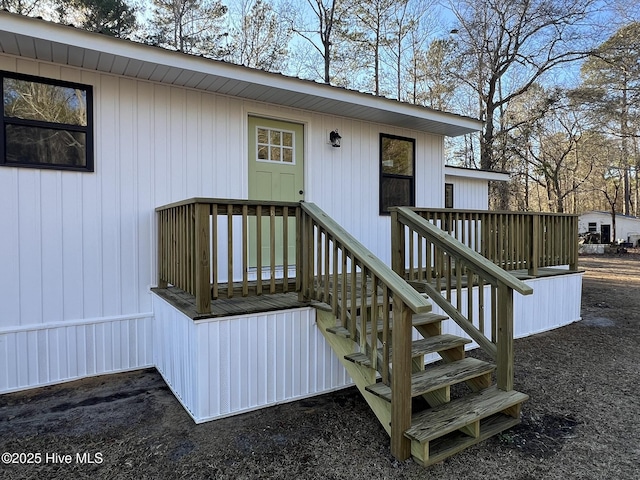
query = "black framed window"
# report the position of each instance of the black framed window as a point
(46, 123)
(448, 195)
(397, 172)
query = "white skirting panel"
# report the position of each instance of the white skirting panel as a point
(44, 354)
(222, 367)
(555, 302)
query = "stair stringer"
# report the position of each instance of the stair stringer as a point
(362, 376)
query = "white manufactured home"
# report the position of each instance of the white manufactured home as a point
(626, 228)
(468, 188)
(165, 210)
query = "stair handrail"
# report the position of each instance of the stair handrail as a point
(409, 218)
(447, 258)
(410, 297)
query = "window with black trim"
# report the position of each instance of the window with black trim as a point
(46, 123)
(397, 172)
(448, 195)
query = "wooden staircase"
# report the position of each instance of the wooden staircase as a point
(372, 312)
(447, 422)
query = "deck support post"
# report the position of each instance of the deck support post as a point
(573, 248)
(534, 251)
(401, 380)
(504, 374)
(299, 253)
(397, 245)
(162, 241)
(202, 258)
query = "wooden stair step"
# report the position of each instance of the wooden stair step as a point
(438, 377)
(420, 347)
(457, 414)
(417, 320)
(435, 451)
(434, 344)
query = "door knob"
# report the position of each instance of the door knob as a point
(301, 192)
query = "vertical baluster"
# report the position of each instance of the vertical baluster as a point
(245, 242)
(311, 276)
(476, 233)
(420, 259)
(439, 267)
(214, 248)
(494, 239)
(464, 229)
(520, 241)
(494, 310)
(502, 247)
(374, 321)
(327, 262)
(319, 264)
(481, 309)
(511, 251)
(352, 302)
(334, 281)
(172, 257)
(364, 317)
(429, 265)
(343, 289)
(459, 266)
(470, 281)
(448, 272)
(272, 249)
(411, 257)
(534, 246)
(230, 250)
(385, 334)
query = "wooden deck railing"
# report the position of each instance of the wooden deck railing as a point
(204, 244)
(512, 240)
(365, 295)
(473, 291)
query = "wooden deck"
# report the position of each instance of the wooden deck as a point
(267, 302)
(236, 305)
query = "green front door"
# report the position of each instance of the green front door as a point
(275, 173)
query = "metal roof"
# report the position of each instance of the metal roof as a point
(456, 171)
(50, 42)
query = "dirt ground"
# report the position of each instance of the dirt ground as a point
(582, 421)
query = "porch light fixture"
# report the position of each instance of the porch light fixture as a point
(334, 138)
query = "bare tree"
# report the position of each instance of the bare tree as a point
(324, 13)
(509, 45)
(405, 26)
(24, 7)
(259, 38)
(189, 26)
(611, 90)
